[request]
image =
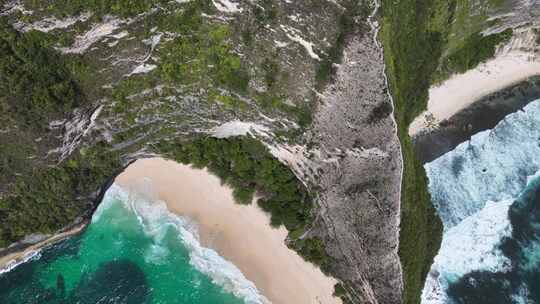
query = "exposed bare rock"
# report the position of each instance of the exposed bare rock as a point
(360, 188)
(515, 13)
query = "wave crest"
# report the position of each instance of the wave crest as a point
(155, 219)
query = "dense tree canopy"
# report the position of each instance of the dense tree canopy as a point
(35, 85)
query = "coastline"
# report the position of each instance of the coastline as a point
(239, 233)
(463, 90)
(483, 114)
(11, 260)
(21, 251)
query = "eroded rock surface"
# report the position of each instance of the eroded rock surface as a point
(360, 175)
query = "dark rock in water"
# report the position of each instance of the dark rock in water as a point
(114, 282)
(17, 277)
(525, 215)
(482, 287)
(484, 114)
(61, 285)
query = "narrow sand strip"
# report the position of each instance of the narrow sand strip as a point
(241, 234)
(462, 90)
(9, 261)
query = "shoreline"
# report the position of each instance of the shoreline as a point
(481, 115)
(463, 90)
(13, 259)
(240, 233)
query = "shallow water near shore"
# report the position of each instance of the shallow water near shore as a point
(134, 251)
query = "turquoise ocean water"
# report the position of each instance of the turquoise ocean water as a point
(133, 251)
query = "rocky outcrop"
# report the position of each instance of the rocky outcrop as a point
(360, 175)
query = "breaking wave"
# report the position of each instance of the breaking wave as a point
(493, 166)
(479, 189)
(156, 219)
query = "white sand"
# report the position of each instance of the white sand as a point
(462, 90)
(241, 234)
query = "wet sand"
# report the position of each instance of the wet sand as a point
(12, 259)
(484, 114)
(240, 234)
(462, 90)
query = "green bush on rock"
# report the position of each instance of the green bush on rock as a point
(247, 166)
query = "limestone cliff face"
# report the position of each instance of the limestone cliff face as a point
(306, 78)
(355, 164)
(515, 13)
(361, 175)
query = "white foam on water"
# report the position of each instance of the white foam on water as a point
(155, 219)
(30, 256)
(471, 245)
(531, 260)
(472, 188)
(492, 166)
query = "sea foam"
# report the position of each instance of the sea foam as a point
(155, 219)
(30, 256)
(472, 188)
(493, 166)
(471, 245)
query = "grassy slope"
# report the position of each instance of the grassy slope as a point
(425, 40)
(36, 86)
(411, 55)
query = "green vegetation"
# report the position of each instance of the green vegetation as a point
(205, 58)
(341, 292)
(313, 251)
(228, 101)
(50, 204)
(426, 41)
(36, 87)
(464, 18)
(351, 21)
(271, 71)
(127, 87)
(203, 54)
(265, 13)
(16, 151)
(122, 8)
(475, 50)
(412, 51)
(246, 165)
(35, 84)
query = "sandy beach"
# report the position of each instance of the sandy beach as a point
(240, 234)
(9, 261)
(462, 90)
